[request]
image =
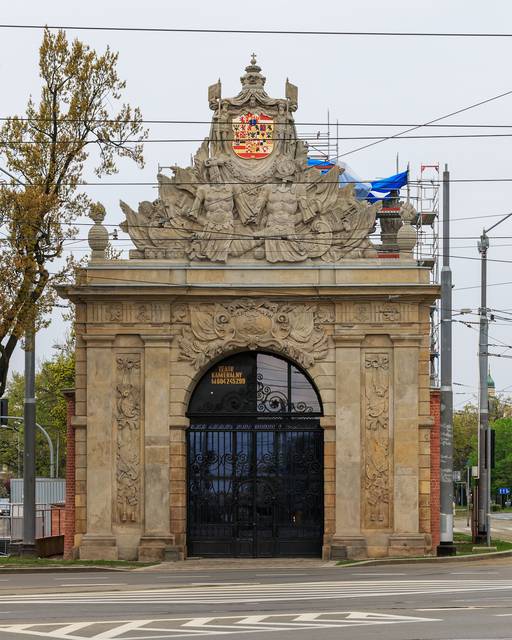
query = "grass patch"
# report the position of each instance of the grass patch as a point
(463, 543)
(17, 561)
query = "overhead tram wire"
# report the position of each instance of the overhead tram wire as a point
(397, 135)
(276, 124)
(299, 139)
(284, 32)
(394, 136)
(253, 184)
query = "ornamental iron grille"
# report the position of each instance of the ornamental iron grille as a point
(255, 461)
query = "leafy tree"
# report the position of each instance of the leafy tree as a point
(502, 473)
(54, 375)
(465, 435)
(43, 156)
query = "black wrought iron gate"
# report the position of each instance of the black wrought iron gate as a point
(255, 488)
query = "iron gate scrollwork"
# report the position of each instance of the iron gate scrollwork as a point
(255, 466)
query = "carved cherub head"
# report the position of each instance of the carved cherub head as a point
(285, 169)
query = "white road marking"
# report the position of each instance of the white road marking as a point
(379, 574)
(279, 575)
(95, 584)
(84, 578)
(450, 608)
(255, 592)
(473, 573)
(200, 627)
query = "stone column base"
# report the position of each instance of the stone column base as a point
(407, 544)
(97, 547)
(158, 549)
(348, 548)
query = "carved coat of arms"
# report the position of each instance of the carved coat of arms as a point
(226, 207)
(253, 135)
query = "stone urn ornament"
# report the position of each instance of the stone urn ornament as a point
(98, 233)
(407, 235)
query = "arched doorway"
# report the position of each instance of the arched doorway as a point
(255, 460)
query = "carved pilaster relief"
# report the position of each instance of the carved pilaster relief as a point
(127, 421)
(125, 312)
(377, 496)
(296, 330)
(377, 312)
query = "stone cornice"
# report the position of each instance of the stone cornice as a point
(156, 340)
(348, 340)
(98, 340)
(406, 339)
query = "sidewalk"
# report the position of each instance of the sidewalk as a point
(501, 526)
(222, 564)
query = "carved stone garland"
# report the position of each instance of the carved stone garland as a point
(127, 418)
(296, 331)
(376, 443)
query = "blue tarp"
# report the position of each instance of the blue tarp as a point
(363, 190)
(384, 185)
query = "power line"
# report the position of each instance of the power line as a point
(319, 123)
(304, 138)
(263, 182)
(287, 32)
(434, 121)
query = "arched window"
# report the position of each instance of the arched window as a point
(257, 385)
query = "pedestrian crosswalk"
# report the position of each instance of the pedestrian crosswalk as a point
(251, 593)
(167, 628)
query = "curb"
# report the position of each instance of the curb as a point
(428, 560)
(57, 569)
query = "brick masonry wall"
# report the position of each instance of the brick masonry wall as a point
(435, 463)
(69, 515)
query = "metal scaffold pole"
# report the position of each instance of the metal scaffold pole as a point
(446, 546)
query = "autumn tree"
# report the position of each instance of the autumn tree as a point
(42, 159)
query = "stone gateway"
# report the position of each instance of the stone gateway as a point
(253, 380)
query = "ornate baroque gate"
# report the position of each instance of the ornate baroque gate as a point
(255, 461)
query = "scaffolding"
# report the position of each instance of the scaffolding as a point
(323, 144)
(423, 193)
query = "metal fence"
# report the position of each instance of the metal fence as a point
(49, 522)
(48, 490)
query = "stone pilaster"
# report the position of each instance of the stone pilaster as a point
(407, 539)
(156, 538)
(347, 541)
(99, 542)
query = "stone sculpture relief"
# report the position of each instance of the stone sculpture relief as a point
(124, 312)
(376, 442)
(297, 331)
(127, 417)
(377, 312)
(249, 194)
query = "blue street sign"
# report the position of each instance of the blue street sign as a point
(503, 491)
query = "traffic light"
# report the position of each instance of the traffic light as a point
(4, 410)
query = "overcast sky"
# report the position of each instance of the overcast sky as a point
(358, 79)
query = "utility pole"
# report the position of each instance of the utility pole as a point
(483, 533)
(483, 521)
(446, 546)
(29, 434)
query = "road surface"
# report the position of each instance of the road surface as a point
(459, 600)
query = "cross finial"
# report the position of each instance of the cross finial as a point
(253, 58)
